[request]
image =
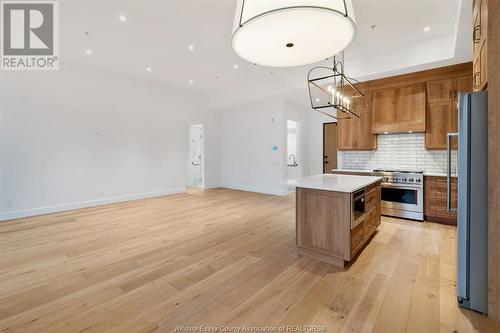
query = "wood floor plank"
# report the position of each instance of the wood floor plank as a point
(220, 257)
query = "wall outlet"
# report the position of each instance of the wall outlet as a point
(101, 193)
(174, 184)
(9, 204)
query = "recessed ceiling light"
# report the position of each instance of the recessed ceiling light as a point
(386, 132)
(191, 81)
(235, 66)
(122, 18)
(427, 29)
(88, 52)
(317, 99)
(191, 47)
(149, 69)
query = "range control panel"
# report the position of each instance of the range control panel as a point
(400, 177)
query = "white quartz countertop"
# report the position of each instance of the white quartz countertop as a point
(353, 170)
(335, 183)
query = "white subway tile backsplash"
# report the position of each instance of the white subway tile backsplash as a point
(398, 151)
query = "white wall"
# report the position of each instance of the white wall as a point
(248, 134)
(78, 137)
(316, 121)
(312, 136)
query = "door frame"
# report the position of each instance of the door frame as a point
(323, 156)
(202, 152)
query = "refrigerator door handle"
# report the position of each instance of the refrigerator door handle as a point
(449, 209)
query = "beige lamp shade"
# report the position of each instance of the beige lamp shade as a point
(285, 33)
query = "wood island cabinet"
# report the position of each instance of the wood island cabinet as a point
(324, 220)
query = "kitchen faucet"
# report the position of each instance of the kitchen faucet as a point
(294, 160)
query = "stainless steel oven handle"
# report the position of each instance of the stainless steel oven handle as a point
(449, 209)
(402, 186)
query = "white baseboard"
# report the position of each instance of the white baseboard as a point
(4, 216)
(208, 187)
(256, 189)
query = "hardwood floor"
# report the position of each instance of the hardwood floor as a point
(220, 257)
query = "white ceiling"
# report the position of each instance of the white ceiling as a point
(157, 35)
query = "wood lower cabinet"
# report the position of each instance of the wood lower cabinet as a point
(399, 109)
(356, 133)
(435, 200)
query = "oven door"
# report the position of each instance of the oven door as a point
(402, 197)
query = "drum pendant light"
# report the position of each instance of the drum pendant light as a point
(286, 33)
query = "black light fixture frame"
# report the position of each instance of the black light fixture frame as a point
(339, 81)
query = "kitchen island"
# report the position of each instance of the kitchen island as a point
(335, 215)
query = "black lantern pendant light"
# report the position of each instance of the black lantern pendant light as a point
(333, 93)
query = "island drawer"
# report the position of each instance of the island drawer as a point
(372, 198)
(370, 223)
(356, 238)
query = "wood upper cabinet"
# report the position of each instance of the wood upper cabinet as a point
(417, 102)
(347, 133)
(480, 45)
(439, 91)
(399, 109)
(442, 114)
(439, 124)
(410, 105)
(355, 133)
(365, 139)
(383, 108)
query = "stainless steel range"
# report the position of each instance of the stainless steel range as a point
(402, 193)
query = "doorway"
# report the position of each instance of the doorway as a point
(330, 147)
(196, 168)
(294, 167)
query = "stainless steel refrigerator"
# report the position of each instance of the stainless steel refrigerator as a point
(472, 210)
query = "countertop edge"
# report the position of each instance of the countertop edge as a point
(319, 188)
(428, 174)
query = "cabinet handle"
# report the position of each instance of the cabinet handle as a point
(476, 75)
(449, 209)
(449, 94)
(475, 36)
